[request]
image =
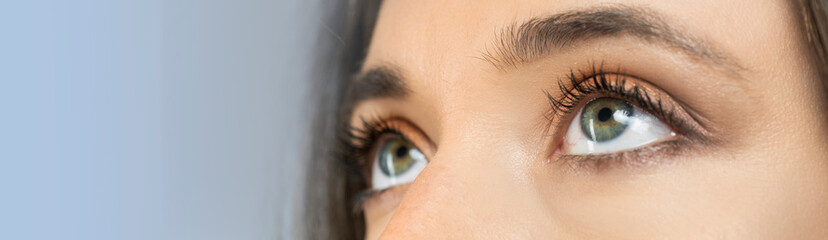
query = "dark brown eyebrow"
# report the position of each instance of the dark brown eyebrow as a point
(380, 82)
(385, 81)
(537, 37)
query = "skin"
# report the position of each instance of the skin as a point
(493, 171)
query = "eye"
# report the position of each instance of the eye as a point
(608, 125)
(397, 161)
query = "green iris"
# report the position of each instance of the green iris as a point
(395, 156)
(605, 118)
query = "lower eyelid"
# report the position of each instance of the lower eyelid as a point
(653, 155)
(383, 200)
(689, 133)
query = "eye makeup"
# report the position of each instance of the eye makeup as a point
(595, 88)
(363, 145)
(577, 90)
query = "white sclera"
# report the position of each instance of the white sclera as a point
(643, 128)
(381, 181)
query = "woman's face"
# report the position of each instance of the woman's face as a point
(574, 119)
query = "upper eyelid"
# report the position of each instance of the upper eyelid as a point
(566, 100)
(689, 134)
(647, 96)
(401, 126)
(575, 84)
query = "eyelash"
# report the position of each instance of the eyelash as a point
(585, 86)
(356, 144)
(577, 89)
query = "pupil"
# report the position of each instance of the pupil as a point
(402, 151)
(604, 114)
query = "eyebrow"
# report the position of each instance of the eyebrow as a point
(538, 37)
(385, 81)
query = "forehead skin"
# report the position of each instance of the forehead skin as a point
(486, 178)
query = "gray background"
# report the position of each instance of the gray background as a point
(149, 119)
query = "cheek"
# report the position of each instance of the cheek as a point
(719, 194)
(376, 222)
(379, 209)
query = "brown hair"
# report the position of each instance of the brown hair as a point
(331, 185)
(815, 21)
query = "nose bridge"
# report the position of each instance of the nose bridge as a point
(465, 191)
